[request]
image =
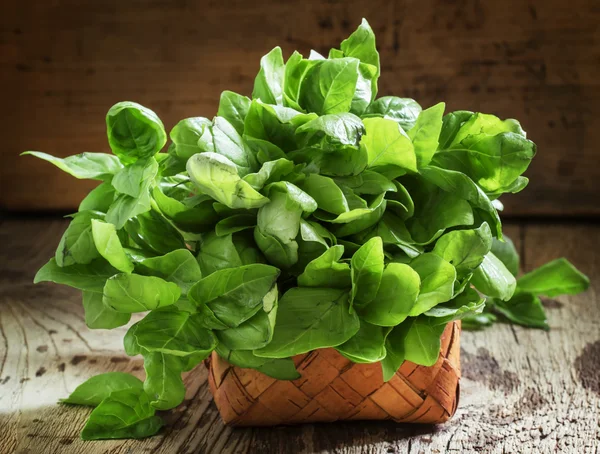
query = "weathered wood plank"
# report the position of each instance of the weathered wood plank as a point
(65, 62)
(522, 390)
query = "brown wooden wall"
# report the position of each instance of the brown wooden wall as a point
(65, 62)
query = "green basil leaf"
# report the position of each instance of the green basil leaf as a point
(340, 161)
(126, 207)
(179, 267)
(310, 318)
(130, 343)
(401, 202)
(437, 282)
(271, 171)
(109, 246)
(331, 131)
(234, 108)
(77, 243)
(186, 134)
(451, 124)
(129, 293)
(493, 279)
(403, 111)
(135, 179)
(278, 222)
(367, 270)
(235, 223)
(100, 316)
(218, 177)
(227, 251)
(426, 132)
(313, 240)
(395, 349)
(326, 271)
(494, 162)
(169, 163)
(393, 232)
(97, 388)
(329, 86)
(134, 132)
(558, 277)
(229, 143)
(326, 193)
(462, 186)
(366, 88)
(275, 125)
(268, 85)
(387, 145)
(483, 124)
(174, 332)
(94, 166)
(465, 304)
(98, 199)
(359, 219)
(296, 70)
(152, 232)
(435, 210)
(506, 252)
(279, 368)
(367, 345)
(257, 331)
(123, 414)
(422, 341)
(464, 249)
(361, 44)
(234, 294)
(367, 182)
(474, 322)
(395, 298)
(163, 382)
(524, 309)
(283, 255)
(197, 219)
(84, 277)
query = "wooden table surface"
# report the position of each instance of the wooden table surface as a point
(522, 390)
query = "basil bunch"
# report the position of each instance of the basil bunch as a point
(313, 215)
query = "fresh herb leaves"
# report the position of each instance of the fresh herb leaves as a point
(312, 215)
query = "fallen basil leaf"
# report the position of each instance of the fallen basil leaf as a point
(94, 390)
(558, 277)
(123, 414)
(524, 309)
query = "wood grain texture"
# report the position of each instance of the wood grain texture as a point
(65, 62)
(522, 390)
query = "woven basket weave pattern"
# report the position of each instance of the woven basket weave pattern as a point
(333, 388)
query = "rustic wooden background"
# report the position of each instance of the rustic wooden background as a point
(65, 62)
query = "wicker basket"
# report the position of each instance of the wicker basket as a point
(333, 388)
